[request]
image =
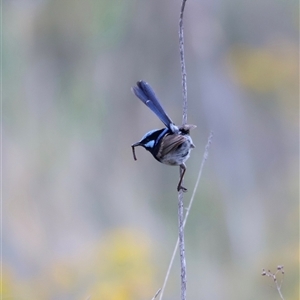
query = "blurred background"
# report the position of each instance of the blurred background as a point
(81, 218)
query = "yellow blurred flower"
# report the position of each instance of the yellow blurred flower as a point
(266, 69)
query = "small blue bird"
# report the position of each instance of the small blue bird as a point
(171, 145)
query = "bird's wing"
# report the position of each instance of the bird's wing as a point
(170, 143)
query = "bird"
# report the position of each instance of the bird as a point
(171, 145)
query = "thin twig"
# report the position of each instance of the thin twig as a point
(268, 273)
(157, 293)
(205, 155)
(184, 121)
(181, 245)
(182, 63)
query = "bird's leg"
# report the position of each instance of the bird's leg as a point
(182, 172)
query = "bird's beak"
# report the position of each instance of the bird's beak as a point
(136, 144)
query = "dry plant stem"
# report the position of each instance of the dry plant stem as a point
(279, 291)
(157, 293)
(184, 121)
(181, 245)
(182, 63)
(268, 273)
(187, 212)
